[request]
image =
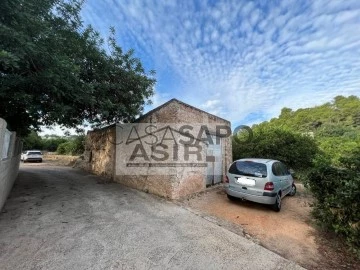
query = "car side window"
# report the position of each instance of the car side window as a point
(276, 169)
(285, 169)
(279, 169)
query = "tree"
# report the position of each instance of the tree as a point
(55, 70)
(334, 125)
(74, 146)
(32, 141)
(51, 144)
(351, 159)
(296, 150)
(356, 119)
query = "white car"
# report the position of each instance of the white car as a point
(31, 155)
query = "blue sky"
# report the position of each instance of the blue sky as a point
(242, 60)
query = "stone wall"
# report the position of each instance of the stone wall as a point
(99, 155)
(161, 185)
(10, 152)
(179, 112)
(104, 157)
(176, 182)
(193, 115)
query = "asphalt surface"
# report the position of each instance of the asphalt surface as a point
(62, 218)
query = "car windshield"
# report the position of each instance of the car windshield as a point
(34, 153)
(248, 168)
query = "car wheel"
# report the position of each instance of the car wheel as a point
(40, 160)
(277, 205)
(293, 190)
(231, 198)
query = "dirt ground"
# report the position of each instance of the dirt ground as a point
(59, 217)
(59, 160)
(289, 233)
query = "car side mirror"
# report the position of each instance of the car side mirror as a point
(291, 171)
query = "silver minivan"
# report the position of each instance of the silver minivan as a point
(264, 181)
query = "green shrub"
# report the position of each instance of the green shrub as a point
(32, 141)
(62, 148)
(294, 149)
(351, 159)
(337, 206)
(51, 144)
(74, 146)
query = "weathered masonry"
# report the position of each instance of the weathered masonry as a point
(172, 151)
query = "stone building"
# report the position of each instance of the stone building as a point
(172, 151)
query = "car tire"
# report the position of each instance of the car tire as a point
(40, 161)
(293, 190)
(231, 198)
(277, 205)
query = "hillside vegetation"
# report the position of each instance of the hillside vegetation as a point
(335, 126)
(323, 145)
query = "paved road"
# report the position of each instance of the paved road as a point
(61, 218)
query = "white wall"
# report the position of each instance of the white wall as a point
(10, 151)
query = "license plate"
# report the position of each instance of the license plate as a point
(246, 182)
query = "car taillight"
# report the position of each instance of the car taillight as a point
(226, 179)
(269, 186)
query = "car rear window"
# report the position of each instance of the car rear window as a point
(34, 153)
(248, 168)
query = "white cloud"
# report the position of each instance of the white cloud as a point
(237, 58)
(158, 99)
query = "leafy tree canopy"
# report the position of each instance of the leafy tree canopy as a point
(33, 141)
(74, 146)
(296, 150)
(323, 142)
(71, 145)
(53, 69)
(335, 125)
